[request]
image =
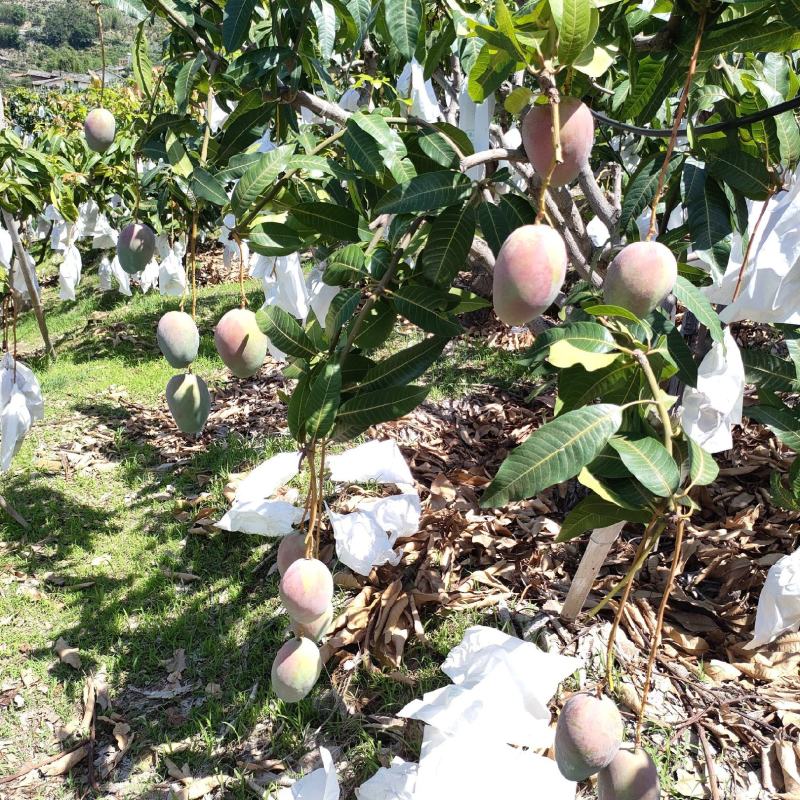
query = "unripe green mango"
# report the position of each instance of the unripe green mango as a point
(178, 338)
(306, 589)
(631, 775)
(641, 275)
(136, 247)
(189, 402)
(99, 129)
(295, 670)
(240, 343)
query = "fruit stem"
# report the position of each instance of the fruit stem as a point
(746, 257)
(676, 561)
(645, 546)
(549, 88)
(100, 31)
(312, 493)
(662, 175)
(644, 363)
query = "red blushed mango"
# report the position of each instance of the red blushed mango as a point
(641, 275)
(528, 274)
(295, 670)
(577, 138)
(291, 548)
(588, 736)
(631, 775)
(99, 129)
(240, 343)
(136, 247)
(189, 402)
(315, 629)
(178, 338)
(306, 589)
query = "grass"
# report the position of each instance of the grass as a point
(117, 529)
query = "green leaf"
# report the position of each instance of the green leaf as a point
(260, 177)
(363, 149)
(783, 422)
(563, 354)
(650, 462)
(648, 89)
(323, 401)
(518, 99)
(708, 214)
(438, 148)
(594, 512)
(490, 69)
(404, 20)
(741, 171)
(296, 413)
(420, 305)
(370, 408)
(377, 327)
(345, 266)
(449, 242)
(236, 22)
(328, 219)
(620, 383)
(703, 469)
(589, 336)
(141, 64)
(325, 19)
(284, 331)
(405, 365)
(553, 453)
(573, 19)
(642, 187)
(341, 309)
(689, 296)
(205, 185)
(769, 372)
(426, 192)
(627, 493)
(467, 301)
(274, 239)
(185, 81)
(499, 221)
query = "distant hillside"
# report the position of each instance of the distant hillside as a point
(59, 35)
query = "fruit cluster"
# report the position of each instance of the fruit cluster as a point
(589, 742)
(306, 590)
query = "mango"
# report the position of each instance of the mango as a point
(295, 670)
(136, 247)
(588, 736)
(528, 273)
(577, 138)
(189, 402)
(306, 589)
(641, 275)
(315, 629)
(99, 129)
(240, 343)
(178, 338)
(631, 775)
(291, 548)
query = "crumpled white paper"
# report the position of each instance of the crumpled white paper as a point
(492, 693)
(25, 381)
(365, 538)
(643, 220)
(172, 280)
(252, 511)
(6, 248)
(711, 409)
(122, 278)
(321, 784)
(218, 115)
(268, 477)
(15, 422)
(464, 753)
(351, 101)
(597, 231)
(511, 140)
(232, 251)
(20, 404)
(469, 768)
(320, 295)
(105, 275)
(19, 279)
(376, 460)
(475, 119)
(284, 283)
(771, 283)
(69, 273)
(396, 782)
(411, 85)
(779, 602)
(262, 517)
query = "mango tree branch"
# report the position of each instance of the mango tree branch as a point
(596, 199)
(676, 125)
(198, 41)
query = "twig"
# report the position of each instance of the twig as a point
(197, 40)
(746, 256)
(662, 176)
(656, 641)
(711, 770)
(13, 513)
(30, 767)
(644, 363)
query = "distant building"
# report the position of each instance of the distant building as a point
(40, 79)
